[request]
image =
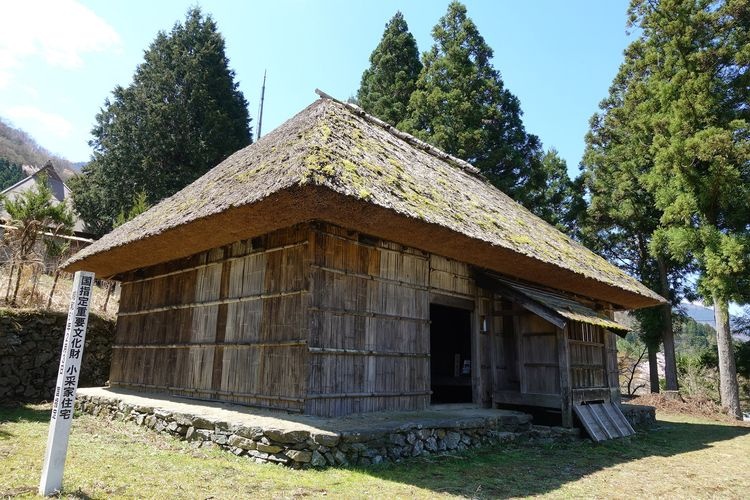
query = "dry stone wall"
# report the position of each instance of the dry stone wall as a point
(302, 448)
(30, 344)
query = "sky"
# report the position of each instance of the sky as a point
(60, 59)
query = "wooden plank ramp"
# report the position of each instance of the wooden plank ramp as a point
(603, 421)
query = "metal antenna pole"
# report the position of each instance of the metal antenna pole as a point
(260, 112)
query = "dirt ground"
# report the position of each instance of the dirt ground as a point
(684, 405)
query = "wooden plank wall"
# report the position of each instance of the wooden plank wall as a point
(537, 355)
(369, 324)
(451, 278)
(482, 353)
(506, 344)
(227, 324)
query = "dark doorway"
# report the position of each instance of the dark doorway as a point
(450, 355)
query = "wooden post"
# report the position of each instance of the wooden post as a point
(566, 393)
(520, 352)
(611, 373)
(476, 351)
(493, 348)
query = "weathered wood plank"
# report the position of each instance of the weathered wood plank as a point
(566, 396)
(517, 398)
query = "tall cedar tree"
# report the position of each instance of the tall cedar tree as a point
(391, 78)
(461, 106)
(698, 57)
(181, 116)
(622, 216)
(686, 124)
(558, 200)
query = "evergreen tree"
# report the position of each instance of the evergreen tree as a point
(622, 215)
(391, 78)
(559, 200)
(35, 217)
(181, 116)
(139, 206)
(461, 106)
(675, 147)
(696, 52)
(10, 173)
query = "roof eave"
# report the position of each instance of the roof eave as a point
(310, 202)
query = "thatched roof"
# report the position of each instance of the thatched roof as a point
(332, 162)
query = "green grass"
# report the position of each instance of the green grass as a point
(682, 457)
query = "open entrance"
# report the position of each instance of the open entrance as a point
(450, 354)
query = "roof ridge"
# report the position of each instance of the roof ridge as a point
(408, 138)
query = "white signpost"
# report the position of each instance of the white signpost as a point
(67, 383)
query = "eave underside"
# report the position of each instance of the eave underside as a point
(289, 207)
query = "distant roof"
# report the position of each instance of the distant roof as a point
(60, 190)
(333, 162)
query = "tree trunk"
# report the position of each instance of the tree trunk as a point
(10, 282)
(110, 286)
(667, 336)
(34, 283)
(653, 368)
(730, 393)
(52, 290)
(18, 284)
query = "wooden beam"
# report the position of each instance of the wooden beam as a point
(566, 396)
(611, 372)
(506, 312)
(517, 398)
(225, 345)
(367, 394)
(451, 301)
(591, 394)
(476, 353)
(520, 356)
(493, 347)
(367, 352)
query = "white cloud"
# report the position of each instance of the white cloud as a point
(58, 31)
(38, 122)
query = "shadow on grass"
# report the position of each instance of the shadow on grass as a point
(27, 413)
(526, 470)
(15, 413)
(78, 494)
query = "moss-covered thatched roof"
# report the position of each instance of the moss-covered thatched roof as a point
(332, 162)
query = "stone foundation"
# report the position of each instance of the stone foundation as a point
(304, 448)
(639, 415)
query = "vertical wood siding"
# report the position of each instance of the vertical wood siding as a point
(321, 319)
(227, 324)
(369, 324)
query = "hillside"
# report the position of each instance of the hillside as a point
(19, 148)
(699, 313)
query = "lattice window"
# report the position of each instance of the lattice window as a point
(587, 355)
